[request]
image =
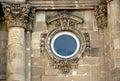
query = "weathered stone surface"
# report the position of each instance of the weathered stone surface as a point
(16, 54)
(36, 42)
(40, 21)
(3, 35)
(83, 70)
(99, 62)
(65, 78)
(91, 60)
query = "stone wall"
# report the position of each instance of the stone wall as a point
(99, 62)
(3, 50)
(89, 64)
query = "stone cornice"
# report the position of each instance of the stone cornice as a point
(16, 14)
(66, 4)
(60, 4)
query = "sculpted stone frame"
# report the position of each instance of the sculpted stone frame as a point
(64, 21)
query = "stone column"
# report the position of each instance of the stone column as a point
(16, 15)
(101, 17)
(114, 35)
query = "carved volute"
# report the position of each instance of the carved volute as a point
(16, 14)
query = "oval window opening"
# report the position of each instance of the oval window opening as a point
(65, 44)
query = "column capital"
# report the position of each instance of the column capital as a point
(101, 15)
(16, 15)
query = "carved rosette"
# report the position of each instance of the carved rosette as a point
(101, 16)
(64, 21)
(16, 15)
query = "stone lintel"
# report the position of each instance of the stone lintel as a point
(67, 4)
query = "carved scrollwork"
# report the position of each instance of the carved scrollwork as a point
(65, 65)
(16, 14)
(101, 16)
(64, 21)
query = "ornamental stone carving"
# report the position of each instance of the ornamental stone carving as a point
(101, 16)
(65, 20)
(63, 23)
(16, 14)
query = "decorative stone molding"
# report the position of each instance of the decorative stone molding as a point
(101, 16)
(42, 44)
(16, 15)
(64, 21)
(30, 19)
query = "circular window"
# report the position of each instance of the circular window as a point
(65, 44)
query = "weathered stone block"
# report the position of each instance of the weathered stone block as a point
(40, 21)
(115, 34)
(87, 17)
(37, 71)
(3, 35)
(66, 78)
(116, 53)
(36, 53)
(39, 61)
(95, 73)
(91, 60)
(94, 52)
(36, 78)
(36, 40)
(2, 77)
(116, 43)
(95, 40)
(117, 62)
(50, 71)
(83, 70)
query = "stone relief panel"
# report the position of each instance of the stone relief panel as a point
(63, 21)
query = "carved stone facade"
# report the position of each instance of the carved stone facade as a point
(29, 30)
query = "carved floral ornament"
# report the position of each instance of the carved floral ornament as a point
(17, 14)
(63, 24)
(101, 16)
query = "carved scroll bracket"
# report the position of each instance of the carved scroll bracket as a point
(101, 16)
